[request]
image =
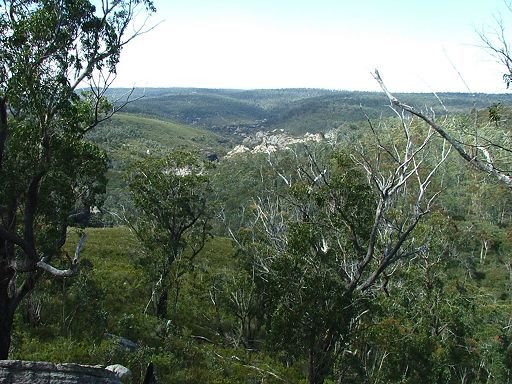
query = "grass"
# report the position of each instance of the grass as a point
(127, 137)
(167, 133)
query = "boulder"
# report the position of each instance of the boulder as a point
(38, 372)
(123, 373)
(124, 343)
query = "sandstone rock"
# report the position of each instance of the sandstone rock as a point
(37, 372)
(265, 142)
(124, 374)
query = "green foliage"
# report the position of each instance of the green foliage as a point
(302, 238)
(232, 326)
(47, 167)
(427, 332)
(179, 355)
(236, 182)
(130, 138)
(171, 194)
(127, 136)
(171, 197)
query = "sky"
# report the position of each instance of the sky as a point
(417, 45)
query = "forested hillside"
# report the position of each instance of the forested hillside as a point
(265, 280)
(295, 110)
(202, 236)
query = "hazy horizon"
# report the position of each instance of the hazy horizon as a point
(326, 44)
(127, 88)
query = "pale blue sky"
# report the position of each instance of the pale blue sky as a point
(417, 45)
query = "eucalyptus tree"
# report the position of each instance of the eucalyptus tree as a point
(49, 51)
(428, 328)
(324, 247)
(171, 196)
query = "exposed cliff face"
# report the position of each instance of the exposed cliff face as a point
(32, 372)
(268, 142)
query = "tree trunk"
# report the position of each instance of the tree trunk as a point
(161, 305)
(176, 296)
(150, 377)
(6, 318)
(7, 307)
(318, 368)
(3, 128)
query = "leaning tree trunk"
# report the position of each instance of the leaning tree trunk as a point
(10, 294)
(6, 318)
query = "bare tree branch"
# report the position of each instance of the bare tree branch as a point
(486, 165)
(408, 178)
(73, 268)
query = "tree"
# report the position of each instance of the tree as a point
(337, 234)
(496, 43)
(48, 49)
(312, 303)
(171, 197)
(426, 329)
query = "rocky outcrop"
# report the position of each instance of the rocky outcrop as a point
(268, 142)
(35, 372)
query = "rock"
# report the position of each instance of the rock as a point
(121, 371)
(263, 142)
(124, 343)
(38, 372)
(238, 150)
